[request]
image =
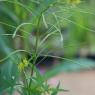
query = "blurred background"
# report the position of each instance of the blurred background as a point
(66, 40)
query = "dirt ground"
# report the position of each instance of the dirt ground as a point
(78, 83)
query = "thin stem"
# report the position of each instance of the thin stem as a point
(37, 40)
(38, 26)
(37, 34)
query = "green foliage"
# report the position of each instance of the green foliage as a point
(15, 75)
(44, 19)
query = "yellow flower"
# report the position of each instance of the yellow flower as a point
(21, 66)
(73, 2)
(24, 63)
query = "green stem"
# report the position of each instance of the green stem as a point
(37, 35)
(36, 44)
(38, 28)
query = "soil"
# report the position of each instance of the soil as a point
(78, 83)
